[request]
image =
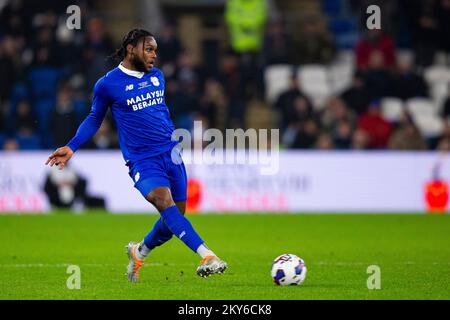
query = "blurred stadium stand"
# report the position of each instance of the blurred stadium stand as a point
(314, 76)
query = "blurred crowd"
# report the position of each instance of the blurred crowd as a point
(48, 72)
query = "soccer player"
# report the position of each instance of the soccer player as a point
(135, 93)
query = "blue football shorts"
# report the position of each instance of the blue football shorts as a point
(160, 171)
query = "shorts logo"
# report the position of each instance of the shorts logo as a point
(129, 87)
(136, 177)
(155, 81)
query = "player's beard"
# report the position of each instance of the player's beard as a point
(139, 65)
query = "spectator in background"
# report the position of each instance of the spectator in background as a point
(324, 142)
(307, 133)
(212, 104)
(406, 135)
(45, 40)
(444, 145)
(10, 144)
(357, 96)
(104, 139)
(2, 119)
(64, 118)
(233, 82)
(301, 110)
(65, 187)
(15, 18)
(316, 44)
(342, 135)
(180, 105)
(187, 73)
(360, 140)
(377, 78)
(169, 48)
(42, 81)
(25, 127)
(446, 107)
(285, 101)
(443, 18)
(444, 140)
(303, 128)
(246, 20)
(339, 121)
(335, 112)
(407, 83)
(25, 122)
(98, 46)
(277, 46)
(376, 127)
(185, 90)
(10, 65)
(69, 49)
(424, 24)
(375, 41)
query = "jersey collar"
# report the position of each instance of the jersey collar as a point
(137, 74)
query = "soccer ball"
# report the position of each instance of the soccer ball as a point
(288, 269)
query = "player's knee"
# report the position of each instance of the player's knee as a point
(181, 207)
(161, 198)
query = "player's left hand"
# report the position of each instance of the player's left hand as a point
(60, 157)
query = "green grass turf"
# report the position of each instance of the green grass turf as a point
(413, 252)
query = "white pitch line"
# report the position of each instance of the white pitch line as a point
(324, 263)
(159, 264)
(100, 265)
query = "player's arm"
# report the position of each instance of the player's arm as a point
(87, 129)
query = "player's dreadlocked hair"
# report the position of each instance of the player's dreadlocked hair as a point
(133, 38)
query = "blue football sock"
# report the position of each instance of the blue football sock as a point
(158, 235)
(181, 227)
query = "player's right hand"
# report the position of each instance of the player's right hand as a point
(60, 157)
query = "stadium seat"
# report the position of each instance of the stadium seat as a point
(331, 7)
(347, 40)
(421, 107)
(391, 108)
(437, 73)
(2, 140)
(438, 79)
(340, 25)
(28, 142)
(43, 109)
(340, 76)
(346, 56)
(314, 82)
(18, 92)
(81, 109)
(430, 126)
(276, 78)
(345, 32)
(439, 92)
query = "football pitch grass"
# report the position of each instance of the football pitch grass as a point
(412, 252)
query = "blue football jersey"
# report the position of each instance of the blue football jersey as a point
(137, 104)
